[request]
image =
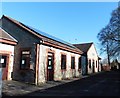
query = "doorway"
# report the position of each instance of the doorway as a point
(4, 66)
(50, 67)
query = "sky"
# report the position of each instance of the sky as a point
(74, 22)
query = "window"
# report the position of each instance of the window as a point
(63, 61)
(89, 63)
(3, 61)
(79, 63)
(72, 62)
(96, 64)
(25, 59)
(93, 63)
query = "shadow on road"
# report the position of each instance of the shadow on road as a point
(101, 84)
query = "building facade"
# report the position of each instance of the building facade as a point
(7, 43)
(92, 59)
(40, 57)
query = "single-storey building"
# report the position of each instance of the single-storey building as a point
(115, 64)
(92, 64)
(40, 57)
(7, 43)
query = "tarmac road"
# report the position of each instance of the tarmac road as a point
(103, 84)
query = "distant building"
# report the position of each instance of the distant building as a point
(40, 57)
(92, 64)
(115, 64)
(7, 43)
(106, 67)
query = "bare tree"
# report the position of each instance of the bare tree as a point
(109, 36)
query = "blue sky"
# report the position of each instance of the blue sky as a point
(74, 22)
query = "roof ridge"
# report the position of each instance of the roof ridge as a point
(83, 46)
(36, 33)
(83, 43)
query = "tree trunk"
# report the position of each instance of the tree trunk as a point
(108, 56)
(108, 59)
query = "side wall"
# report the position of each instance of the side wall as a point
(58, 74)
(25, 41)
(93, 56)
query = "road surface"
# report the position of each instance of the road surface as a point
(102, 84)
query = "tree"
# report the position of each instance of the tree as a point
(109, 36)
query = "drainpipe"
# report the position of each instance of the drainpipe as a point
(37, 63)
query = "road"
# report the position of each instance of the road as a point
(103, 84)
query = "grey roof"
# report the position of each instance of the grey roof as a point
(5, 35)
(50, 36)
(42, 35)
(84, 46)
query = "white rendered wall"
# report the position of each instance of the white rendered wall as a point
(57, 64)
(8, 49)
(92, 54)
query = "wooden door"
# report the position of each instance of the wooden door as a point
(50, 67)
(83, 65)
(4, 66)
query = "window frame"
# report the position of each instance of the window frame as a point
(79, 62)
(63, 59)
(96, 63)
(5, 58)
(93, 63)
(72, 62)
(89, 63)
(26, 57)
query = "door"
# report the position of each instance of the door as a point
(3, 65)
(50, 67)
(84, 65)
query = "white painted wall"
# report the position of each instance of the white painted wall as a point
(8, 49)
(57, 64)
(100, 66)
(92, 54)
